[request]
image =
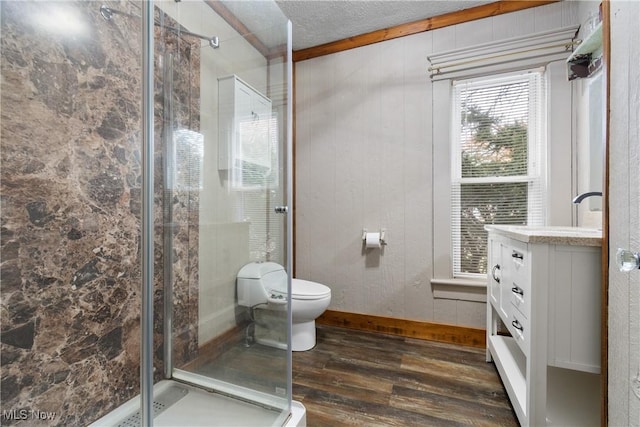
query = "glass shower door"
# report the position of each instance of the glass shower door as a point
(222, 118)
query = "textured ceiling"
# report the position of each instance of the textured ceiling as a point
(317, 22)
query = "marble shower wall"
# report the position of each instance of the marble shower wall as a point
(70, 135)
(70, 198)
(177, 134)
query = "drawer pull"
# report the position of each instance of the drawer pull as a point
(517, 255)
(517, 325)
(517, 290)
(493, 272)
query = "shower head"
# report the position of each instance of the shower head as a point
(107, 13)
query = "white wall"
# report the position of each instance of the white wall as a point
(365, 159)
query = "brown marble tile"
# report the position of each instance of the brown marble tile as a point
(70, 219)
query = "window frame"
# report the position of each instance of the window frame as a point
(500, 56)
(536, 156)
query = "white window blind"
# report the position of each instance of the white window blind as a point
(498, 156)
(256, 180)
(518, 53)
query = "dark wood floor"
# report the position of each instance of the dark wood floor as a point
(354, 378)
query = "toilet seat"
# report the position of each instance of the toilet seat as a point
(306, 290)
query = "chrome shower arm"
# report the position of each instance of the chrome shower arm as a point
(108, 12)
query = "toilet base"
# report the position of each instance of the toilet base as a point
(303, 336)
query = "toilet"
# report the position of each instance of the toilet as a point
(264, 285)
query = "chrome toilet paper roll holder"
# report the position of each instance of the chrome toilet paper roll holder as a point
(382, 236)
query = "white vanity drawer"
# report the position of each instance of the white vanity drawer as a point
(521, 299)
(520, 264)
(519, 328)
(520, 277)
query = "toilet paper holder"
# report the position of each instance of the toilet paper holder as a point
(382, 236)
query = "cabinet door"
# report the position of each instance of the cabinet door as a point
(261, 107)
(256, 141)
(506, 281)
(253, 149)
(495, 273)
(243, 118)
(243, 95)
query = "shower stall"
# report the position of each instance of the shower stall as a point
(145, 153)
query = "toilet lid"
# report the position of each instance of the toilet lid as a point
(305, 289)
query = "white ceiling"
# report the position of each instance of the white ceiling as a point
(316, 22)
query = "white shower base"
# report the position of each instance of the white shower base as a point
(194, 407)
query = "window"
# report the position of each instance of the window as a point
(498, 169)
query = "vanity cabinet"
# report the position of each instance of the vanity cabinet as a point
(544, 287)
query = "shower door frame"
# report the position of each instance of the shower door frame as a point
(169, 371)
(147, 240)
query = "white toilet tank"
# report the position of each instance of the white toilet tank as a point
(256, 281)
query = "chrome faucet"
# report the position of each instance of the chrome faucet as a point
(581, 197)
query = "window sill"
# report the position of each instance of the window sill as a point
(460, 289)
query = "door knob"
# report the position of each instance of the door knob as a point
(627, 260)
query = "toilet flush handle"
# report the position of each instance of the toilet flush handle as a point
(277, 299)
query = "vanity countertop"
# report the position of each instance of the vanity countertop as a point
(572, 236)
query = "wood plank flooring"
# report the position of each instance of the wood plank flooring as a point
(355, 378)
